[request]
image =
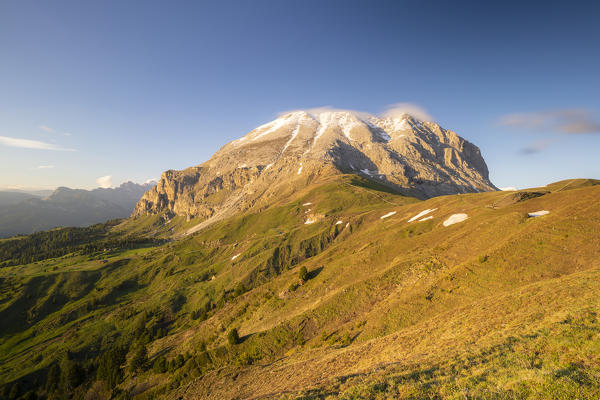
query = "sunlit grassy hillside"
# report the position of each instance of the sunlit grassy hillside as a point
(499, 305)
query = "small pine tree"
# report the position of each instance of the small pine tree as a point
(31, 395)
(4, 391)
(233, 336)
(303, 274)
(15, 391)
(160, 365)
(139, 360)
(53, 378)
(109, 366)
(72, 374)
(239, 289)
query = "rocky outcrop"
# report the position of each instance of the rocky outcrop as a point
(414, 157)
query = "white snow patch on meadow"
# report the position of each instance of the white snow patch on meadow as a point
(300, 169)
(538, 213)
(234, 257)
(306, 204)
(388, 215)
(339, 222)
(426, 218)
(421, 214)
(309, 221)
(455, 218)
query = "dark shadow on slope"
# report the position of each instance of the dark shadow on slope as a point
(314, 273)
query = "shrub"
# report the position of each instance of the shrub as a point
(160, 365)
(346, 340)
(239, 289)
(233, 336)
(483, 259)
(303, 274)
(176, 363)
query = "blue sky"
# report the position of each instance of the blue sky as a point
(129, 89)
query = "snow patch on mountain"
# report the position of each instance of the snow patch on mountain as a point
(538, 213)
(422, 213)
(387, 215)
(455, 218)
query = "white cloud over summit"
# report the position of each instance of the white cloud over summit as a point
(391, 111)
(105, 181)
(415, 111)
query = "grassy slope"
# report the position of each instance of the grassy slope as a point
(500, 305)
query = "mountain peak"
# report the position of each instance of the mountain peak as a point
(413, 157)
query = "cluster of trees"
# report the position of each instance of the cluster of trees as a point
(62, 377)
(202, 313)
(66, 375)
(107, 367)
(58, 242)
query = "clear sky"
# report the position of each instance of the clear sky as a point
(127, 89)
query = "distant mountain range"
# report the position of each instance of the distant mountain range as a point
(24, 212)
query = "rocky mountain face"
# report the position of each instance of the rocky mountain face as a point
(415, 158)
(67, 207)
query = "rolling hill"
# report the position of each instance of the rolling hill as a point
(396, 302)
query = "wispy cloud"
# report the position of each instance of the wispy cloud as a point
(104, 181)
(30, 144)
(324, 109)
(46, 128)
(396, 110)
(566, 121)
(45, 166)
(414, 110)
(555, 123)
(537, 146)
